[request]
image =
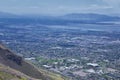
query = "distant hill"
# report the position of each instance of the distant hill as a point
(8, 15)
(90, 16)
(74, 18)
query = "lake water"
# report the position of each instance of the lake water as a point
(94, 27)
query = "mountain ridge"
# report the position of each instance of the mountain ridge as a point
(16, 62)
(7, 15)
(70, 15)
(90, 16)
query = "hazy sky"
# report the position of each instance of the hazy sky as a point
(56, 7)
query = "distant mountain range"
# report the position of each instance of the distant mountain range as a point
(7, 15)
(90, 16)
(74, 18)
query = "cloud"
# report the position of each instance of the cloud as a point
(34, 7)
(112, 2)
(95, 7)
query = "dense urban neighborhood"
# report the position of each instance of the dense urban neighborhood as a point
(75, 51)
